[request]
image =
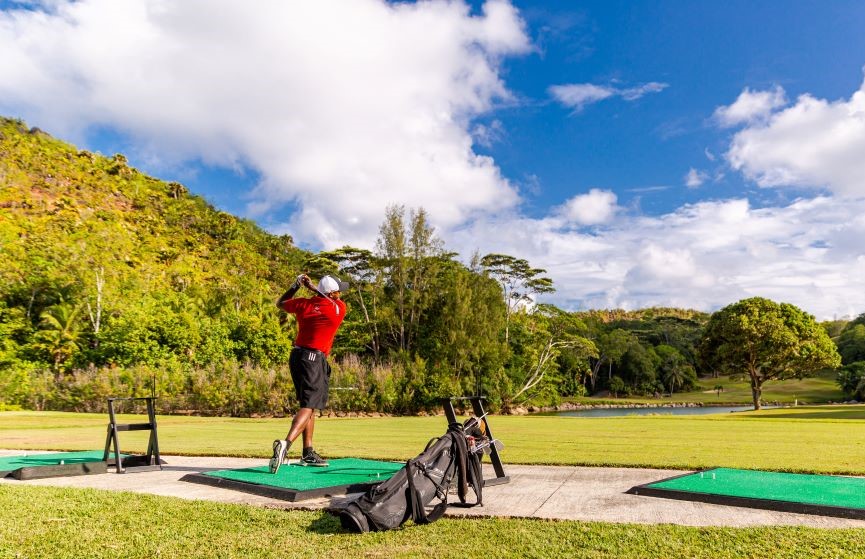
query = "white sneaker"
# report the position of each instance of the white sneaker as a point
(280, 449)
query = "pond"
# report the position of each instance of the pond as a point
(617, 412)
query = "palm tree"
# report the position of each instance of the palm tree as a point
(674, 376)
(59, 332)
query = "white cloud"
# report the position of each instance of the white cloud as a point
(593, 208)
(695, 178)
(703, 256)
(342, 106)
(751, 107)
(813, 143)
(488, 134)
(578, 95)
(634, 93)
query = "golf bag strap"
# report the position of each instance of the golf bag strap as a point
(416, 507)
(476, 477)
(461, 451)
(468, 471)
(430, 443)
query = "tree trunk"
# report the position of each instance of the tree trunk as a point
(596, 369)
(756, 392)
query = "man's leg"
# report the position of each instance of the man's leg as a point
(304, 420)
(309, 456)
(309, 430)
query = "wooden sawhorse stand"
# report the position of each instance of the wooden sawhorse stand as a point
(478, 409)
(142, 463)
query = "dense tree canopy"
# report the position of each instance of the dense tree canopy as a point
(851, 343)
(766, 341)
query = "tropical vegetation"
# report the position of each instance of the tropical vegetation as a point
(115, 283)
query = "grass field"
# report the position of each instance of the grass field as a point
(73, 523)
(827, 439)
(815, 390)
(55, 523)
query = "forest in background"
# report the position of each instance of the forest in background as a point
(113, 282)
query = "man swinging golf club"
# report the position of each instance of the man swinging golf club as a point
(318, 319)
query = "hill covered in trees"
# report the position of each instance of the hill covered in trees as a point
(113, 282)
(104, 267)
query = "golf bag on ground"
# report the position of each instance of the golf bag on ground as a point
(408, 494)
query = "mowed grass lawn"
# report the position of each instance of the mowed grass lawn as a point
(813, 390)
(74, 523)
(828, 439)
(55, 523)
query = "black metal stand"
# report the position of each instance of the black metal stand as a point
(478, 409)
(146, 462)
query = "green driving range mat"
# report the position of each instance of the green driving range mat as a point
(802, 493)
(294, 482)
(56, 464)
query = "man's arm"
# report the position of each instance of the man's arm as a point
(302, 279)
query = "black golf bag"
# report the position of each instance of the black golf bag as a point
(425, 478)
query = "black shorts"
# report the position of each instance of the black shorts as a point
(310, 372)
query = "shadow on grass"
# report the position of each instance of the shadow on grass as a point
(846, 414)
(326, 523)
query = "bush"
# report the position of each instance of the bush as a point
(851, 379)
(15, 385)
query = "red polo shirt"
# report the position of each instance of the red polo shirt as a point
(318, 319)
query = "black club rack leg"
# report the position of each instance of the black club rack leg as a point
(146, 462)
(477, 403)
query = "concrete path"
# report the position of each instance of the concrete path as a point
(554, 492)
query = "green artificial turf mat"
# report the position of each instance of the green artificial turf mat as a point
(340, 472)
(11, 463)
(833, 491)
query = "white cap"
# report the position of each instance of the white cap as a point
(329, 284)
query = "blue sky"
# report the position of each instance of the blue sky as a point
(707, 53)
(644, 153)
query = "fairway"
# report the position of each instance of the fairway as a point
(819, 389)
(827, 439)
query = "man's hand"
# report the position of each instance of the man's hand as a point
(300, 280)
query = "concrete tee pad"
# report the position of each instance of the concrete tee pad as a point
(550, 492)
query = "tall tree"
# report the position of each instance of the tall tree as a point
(768, 341)
(410, 254)
(520, 282)
(611, 347)
(560, 330)
(391, 247)
(460, 331)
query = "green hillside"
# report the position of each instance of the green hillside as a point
(81, 211)
(104, 266)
